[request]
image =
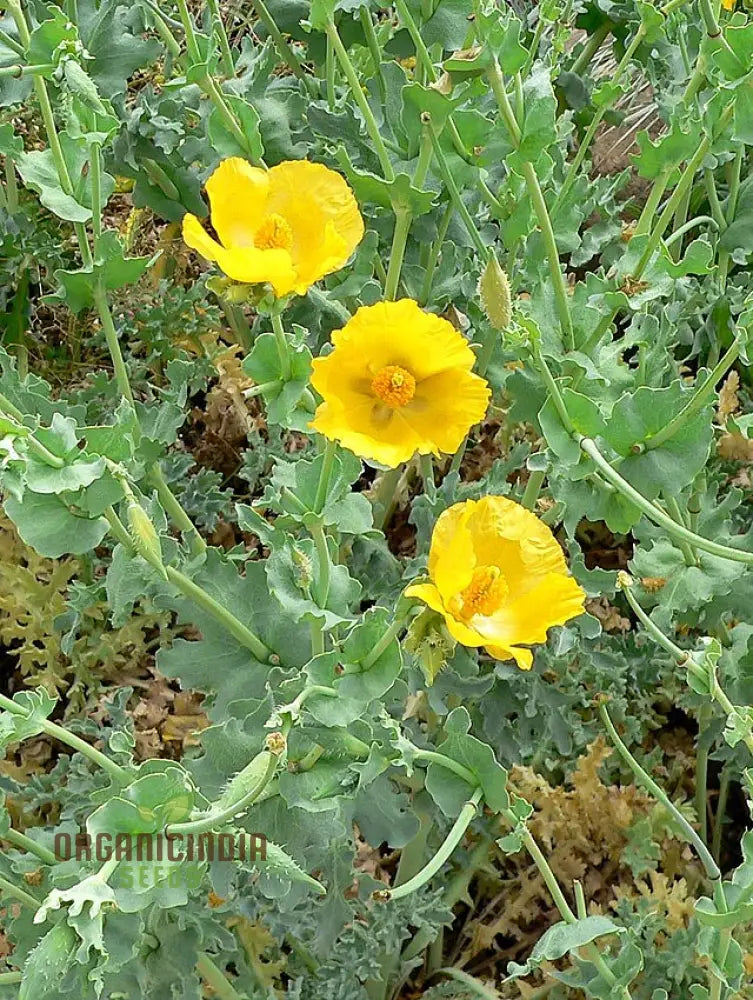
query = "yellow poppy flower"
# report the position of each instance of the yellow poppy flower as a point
(498, 577)
(728, 4)
(399, 381)
(288, 226)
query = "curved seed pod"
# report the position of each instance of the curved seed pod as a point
(252, 776)
(48, 963)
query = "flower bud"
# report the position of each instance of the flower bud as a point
(145, 538)
(494, 292)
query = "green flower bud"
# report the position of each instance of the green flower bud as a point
(145, 538)
(494, 292)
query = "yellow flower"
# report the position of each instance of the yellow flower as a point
(498, 577)
(728, 4)
(399, 381)
(289, 225)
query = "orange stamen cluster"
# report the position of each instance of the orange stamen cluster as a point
(484, 594)
(274, 234)
(394, 385)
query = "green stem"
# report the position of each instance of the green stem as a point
(699, 399)
(226, 56)
(574, 169)
(17, 71)
(470, 982)
(536, 195)
(119, 774)
(385, 496)
(329, 73)
(680, 231)
(455, 891)
(721, 809)
(381, 645)
(436, 250)
(657, 515)
(363, 105)
(7, 978)
(113, 343)
(681, 656)
(403, 220)
(554, 391)
(565, 910)
(677, 195)
(376, 55)
(713, 197)
(287, 55)
(228, 117)
(248, 639)
(701, 772)
(18, 894)
(322, 555)
(192, 44)
(426, 463)
(732, 197)
(533, 487)
(452, 840)
(325, 475)
(650, 785)
(24, 843)
(95, 177)
(283, 348)
(455, 196)
(11, 42)
(653, 201)
(216, 820)
(207, 603)
(590, 49)
(404, 217)
(689, 555)
(173, 507)
(215, 978)
(35, 445)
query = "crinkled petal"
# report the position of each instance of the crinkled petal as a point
(553, 601)
(522, 656)
(368, 430)
(322, 213)
(508, 535)
(429, 594)
(246, 264)
(401, 333)
(451, 557)
(446, 406)
(237, 198)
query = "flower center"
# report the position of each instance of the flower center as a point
(394, 385)
(484, 594)
(274, 234)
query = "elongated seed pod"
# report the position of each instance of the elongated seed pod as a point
(494, 292)
(47, 963)
(243, 784)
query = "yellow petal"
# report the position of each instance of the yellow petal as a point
(196, 237)
(429, 594)
(523, 657)
(508, 535)
(246, 264)
(401, 333)
(451, 557)
(553, 601)
(237, 198)
(446, 406)
(368, 431)
(250, 265)
(322, 212)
